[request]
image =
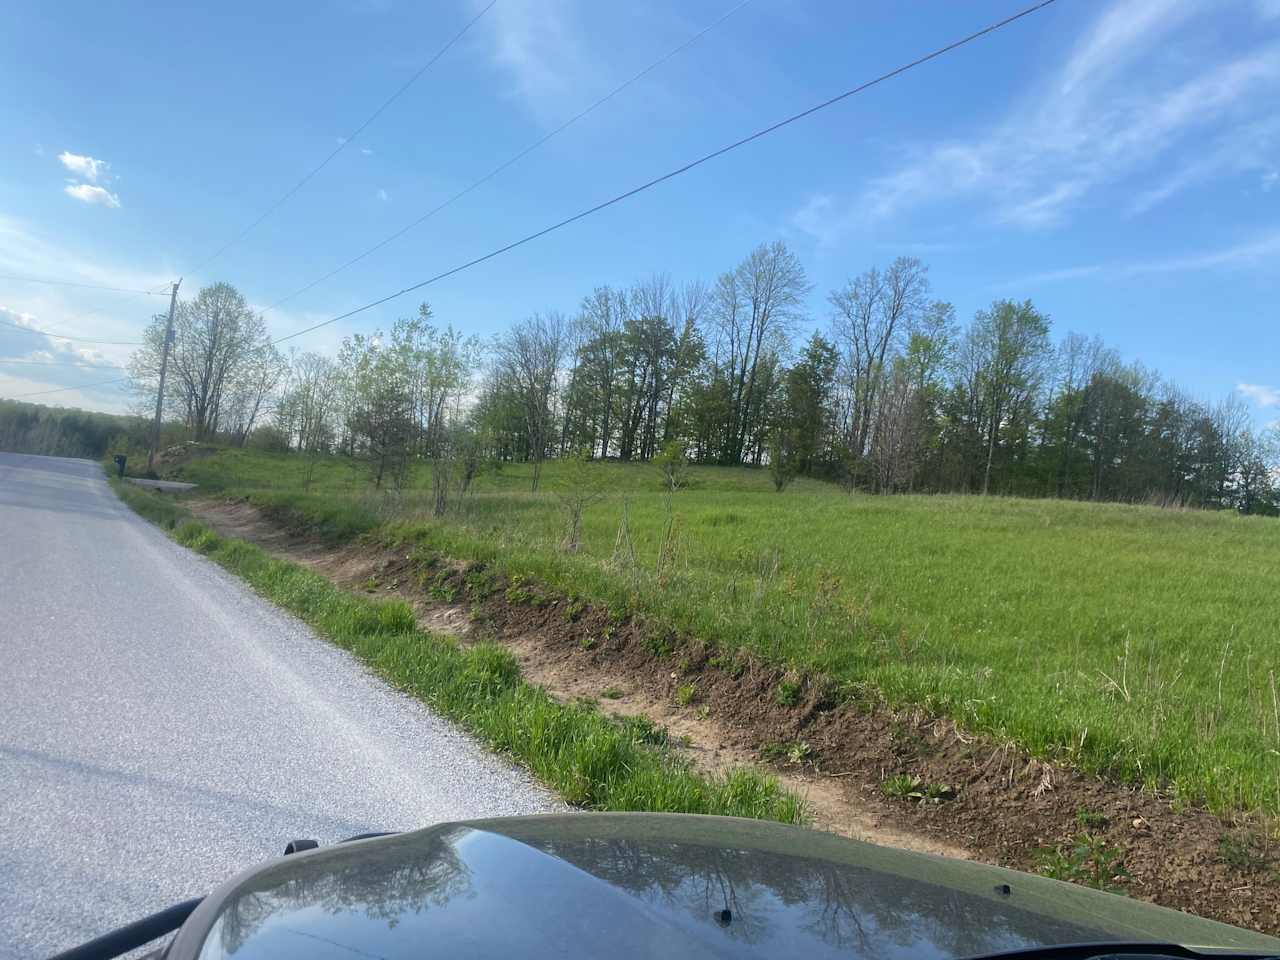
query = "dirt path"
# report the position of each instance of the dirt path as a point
(996, 804)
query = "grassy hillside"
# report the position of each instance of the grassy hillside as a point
(1140, 642)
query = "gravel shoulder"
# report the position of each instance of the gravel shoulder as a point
(162, 727)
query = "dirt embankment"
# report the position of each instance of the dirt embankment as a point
(956, 795)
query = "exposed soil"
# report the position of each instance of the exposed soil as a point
(994, 803)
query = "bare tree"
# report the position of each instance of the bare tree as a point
(582, 485)
(529, 357)
(253, 391)
(873, 313)
(306, 411)
(216, 336)
(896, 436)
(756, 307)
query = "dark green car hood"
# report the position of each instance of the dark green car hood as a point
(639, 885)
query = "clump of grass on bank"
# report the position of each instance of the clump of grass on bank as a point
(1134, 642)
(591, 760)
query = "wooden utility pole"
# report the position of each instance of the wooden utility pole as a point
(164, 366)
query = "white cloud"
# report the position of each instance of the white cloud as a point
(36, 345)
(1262, 396)
(366, 151)
(383, 195)
(92, 194)
(1129, 94)
(86, 167)
(541, 45)
(1269, 179)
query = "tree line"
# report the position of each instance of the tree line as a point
(888, 393)
(57, 432)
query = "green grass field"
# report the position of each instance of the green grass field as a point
(1137, 642)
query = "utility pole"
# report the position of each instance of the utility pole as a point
(164, 366)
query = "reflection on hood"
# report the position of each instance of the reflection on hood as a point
(462, 891)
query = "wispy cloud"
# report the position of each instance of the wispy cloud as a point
(539, 43)
(92, 194)
(1259, 394)
(27, 251)
(86, 167)
(366, 151)
(383, 195)
(1116, 108)
(1261, 251)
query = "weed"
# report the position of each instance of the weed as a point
(644, 730)
(442, 593)
(685, 694)
(792, 751)
(799, 752)
(1087, 860)
(481, 583)
(787, 692)
(575, 609)
(659, 646)
(371, 584)
(704, 711)
(1090, 820)
(900, 786)
(586, 641)
(904, 786)
(518, 592)
(612, 693)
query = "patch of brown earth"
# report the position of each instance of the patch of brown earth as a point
(995, 804)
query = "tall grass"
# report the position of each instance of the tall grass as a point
(1133, 641)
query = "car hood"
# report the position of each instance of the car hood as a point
(644, 885)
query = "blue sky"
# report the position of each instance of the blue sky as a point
(1118, 163)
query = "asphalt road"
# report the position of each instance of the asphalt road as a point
(161, 727)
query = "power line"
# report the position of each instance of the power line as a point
(62, 336)
(343, 143)
(83, 386)
(72, 283)
(517, 157)
(679, 170)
